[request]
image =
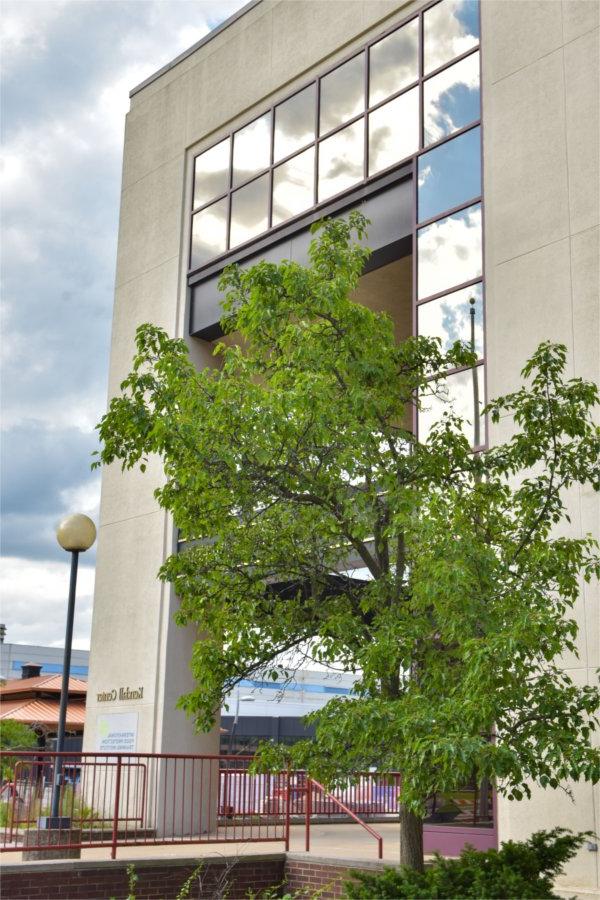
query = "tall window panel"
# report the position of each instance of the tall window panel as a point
(411, 94)
(448, 236)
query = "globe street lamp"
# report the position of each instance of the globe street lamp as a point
(244, 699)
(76, 534)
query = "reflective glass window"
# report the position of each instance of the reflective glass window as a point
(294, 186)
(341, 160)
(451, 99)
(394, 62)
(449, 318)
(456, 394)
(211, 173)
(295, 122)
(449, 29)
(251, 149)
(209, 233)
(394, 131)
(449, 175)
(342, 94)
(249, 211)
(449, 251)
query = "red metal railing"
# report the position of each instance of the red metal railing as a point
(311, 784)
(370, 794)
(132, 799)
(126, 799)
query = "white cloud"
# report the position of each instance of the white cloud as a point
(85, 498)
(450, 251)
(23, 30)
(67, 69)
(33, 596)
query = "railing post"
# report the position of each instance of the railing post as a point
(287, 809)
(115, 830)
(308, 811)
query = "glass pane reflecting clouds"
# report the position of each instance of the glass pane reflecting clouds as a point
(295, 122)
(449, 175)
(394, 131)
(457, 395)
(451, 99)
(341, 160)
(249, 211)
(342, 94)
(209, 233)
(251, 149)
(449, 29)
(449, 251)
(293, 186)
(211, 173)
(394, 62)
(449, 318)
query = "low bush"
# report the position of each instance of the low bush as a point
(520, 869)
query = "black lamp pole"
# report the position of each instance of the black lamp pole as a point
(64, 691)
(75, 534)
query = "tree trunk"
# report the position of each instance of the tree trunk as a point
(411, 839)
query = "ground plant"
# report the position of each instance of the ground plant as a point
(517, 870)
(319, 528)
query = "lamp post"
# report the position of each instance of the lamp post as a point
(75, 534)
(245, 699)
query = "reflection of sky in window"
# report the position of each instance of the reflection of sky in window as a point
(457, 397)
(211, 173)
(209, 233)
(449, 251)
(449, 175)
(342, 94)
(249, 210)
(394, 62)
(295, 122)
(451, 99)
(293, 186)
(394, 131)
(449, 29)
(251, 149)
(449, 318)
(341, 160)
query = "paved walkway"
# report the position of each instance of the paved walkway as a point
(332, 840)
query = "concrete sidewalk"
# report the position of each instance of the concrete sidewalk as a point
(333, 840)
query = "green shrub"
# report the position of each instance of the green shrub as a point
(520, 869)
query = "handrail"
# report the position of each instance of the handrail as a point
(344, 808)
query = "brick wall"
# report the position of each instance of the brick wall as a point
(321, 874)
(157, 879)
(162, 879)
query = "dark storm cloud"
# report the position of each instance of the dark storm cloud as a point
(67, 70)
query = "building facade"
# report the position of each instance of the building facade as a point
(14, 656)
(469, 136)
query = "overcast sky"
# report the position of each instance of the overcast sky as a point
(67, 68)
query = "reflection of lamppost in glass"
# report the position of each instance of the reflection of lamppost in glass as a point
(76, 534)
(476, 422)
(245, 699)
(484, 787)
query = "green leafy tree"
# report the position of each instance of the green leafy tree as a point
(291, 464)
(14, 736)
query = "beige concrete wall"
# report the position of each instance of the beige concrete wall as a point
(541, 187)
(541, 191)
(134, 639)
